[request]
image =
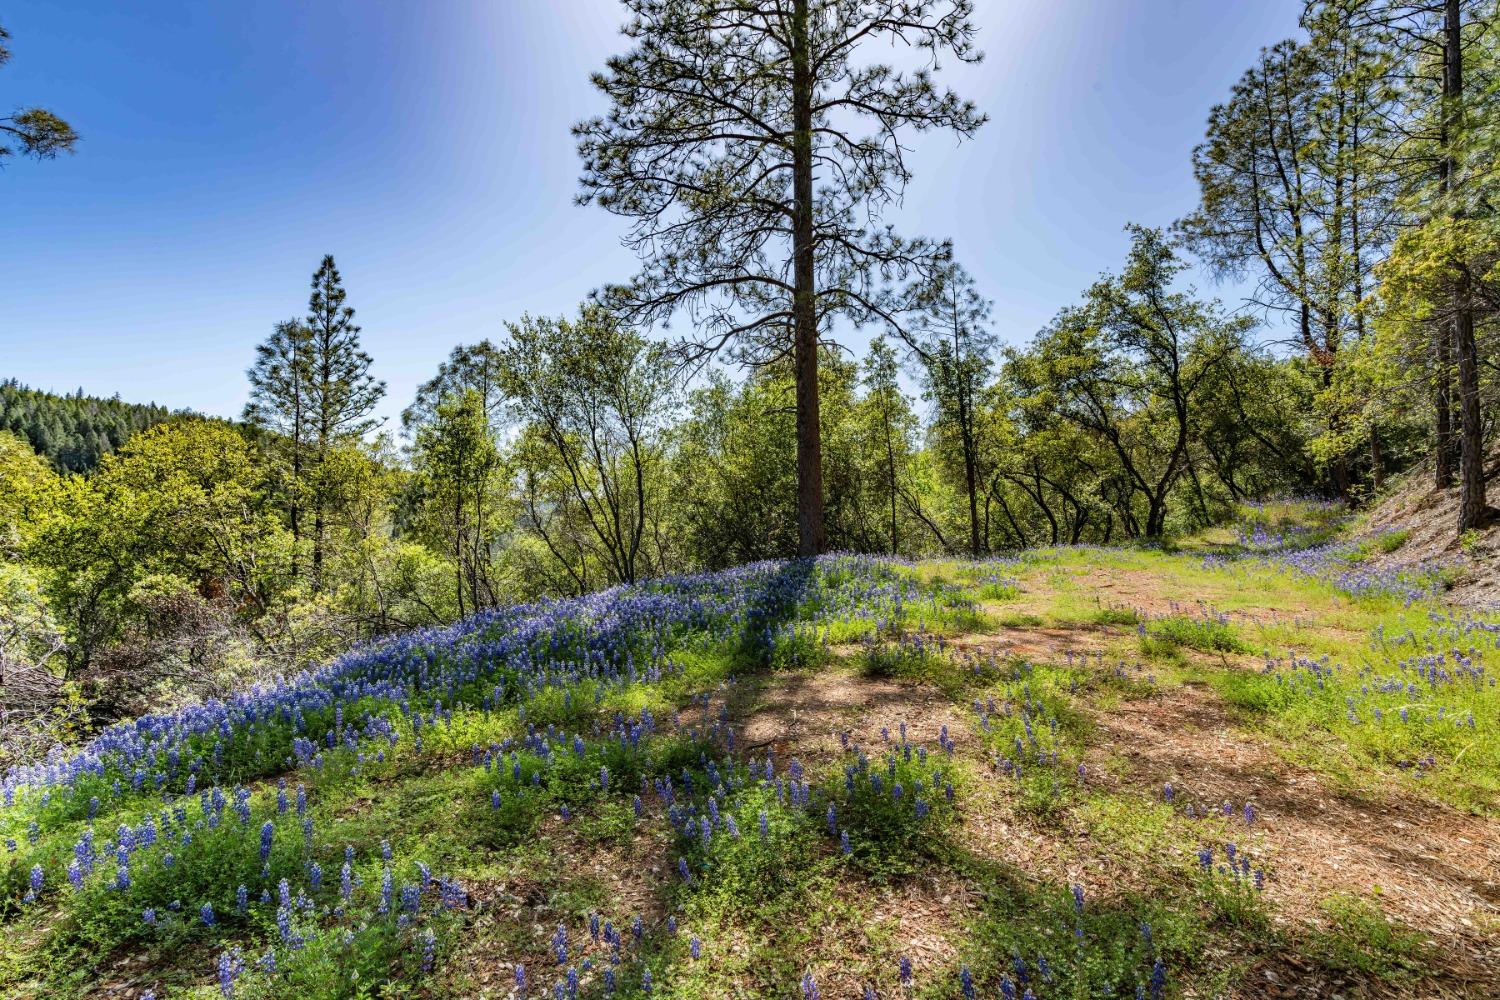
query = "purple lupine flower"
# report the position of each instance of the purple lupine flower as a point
(810, 988)
(1158, 979)
(639, 806)
(646, 981)
(844, 847)
(227, 973)
(148, 916)
(520, 979)
(904, 970)
(1078, 898)
(387, 886)
(241, 898)
(1167, 792)
(37, 876)
(206, 914)
(1249, 814)
(966, 982)
(267, 831)
(346, 882)
(765, 824)
(682, 868)
(695, 947)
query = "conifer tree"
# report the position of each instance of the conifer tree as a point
(281, 402)
(755, 151)
(341, 392)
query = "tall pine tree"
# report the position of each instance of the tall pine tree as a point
(755, 150)
(341, 393)
(281, 402)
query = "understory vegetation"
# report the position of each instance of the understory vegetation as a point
(615, 795)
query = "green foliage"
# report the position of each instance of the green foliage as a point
(73, 432)
(1207, 633)
(894, 808)
(36, 132)
(1361, 938)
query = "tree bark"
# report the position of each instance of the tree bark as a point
(810, 534)
(1471, 504)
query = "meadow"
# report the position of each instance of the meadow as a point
(1246, 765)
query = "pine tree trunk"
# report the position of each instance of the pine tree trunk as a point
(296, 501)
(1445, 444)
(890, 464)
(1471, 504)
(810, 536)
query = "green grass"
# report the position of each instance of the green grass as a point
(1361, 938)
(560, 843)
(1205, 634)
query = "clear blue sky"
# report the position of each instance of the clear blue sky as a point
(227, 146)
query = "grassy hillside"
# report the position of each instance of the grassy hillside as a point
(1254, 767)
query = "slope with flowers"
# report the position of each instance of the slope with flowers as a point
(1259, 767)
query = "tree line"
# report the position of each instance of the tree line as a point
(73, 432)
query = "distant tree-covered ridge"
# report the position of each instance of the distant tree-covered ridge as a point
(74, 431)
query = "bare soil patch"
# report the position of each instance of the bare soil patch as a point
(1438, 870)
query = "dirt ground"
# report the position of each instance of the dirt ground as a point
(1437, 870)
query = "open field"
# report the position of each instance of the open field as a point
(1244, 769)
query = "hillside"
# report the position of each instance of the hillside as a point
(73, 432)
(1415, 524)
(1254, 770)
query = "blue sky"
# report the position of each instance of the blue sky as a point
(227, 147)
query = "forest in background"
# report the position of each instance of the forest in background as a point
(1349, 178)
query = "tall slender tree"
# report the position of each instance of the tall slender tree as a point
(957, 361)
(891, 426)
(341, 392)
(458, 470)
(281, 402)
(733, 140)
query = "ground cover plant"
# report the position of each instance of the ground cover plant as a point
(1083, 772)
